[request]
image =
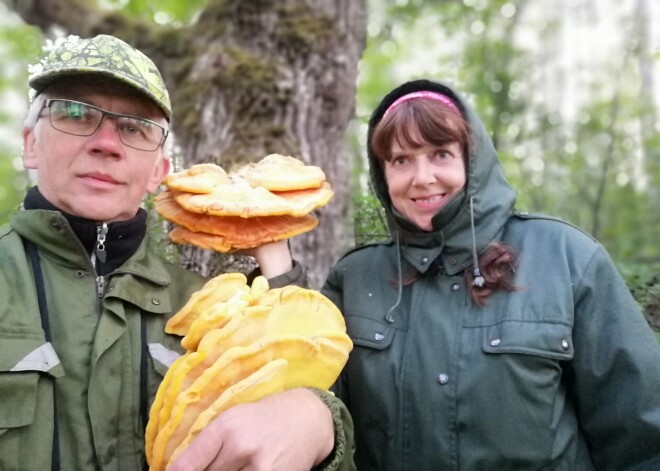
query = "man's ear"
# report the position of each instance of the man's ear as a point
(160, 171)
(29, 151)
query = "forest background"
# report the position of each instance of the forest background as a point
(567, 88)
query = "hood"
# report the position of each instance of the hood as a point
(492, 196)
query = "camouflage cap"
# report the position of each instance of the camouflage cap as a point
(105, 55)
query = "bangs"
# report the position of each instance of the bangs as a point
(416, 124)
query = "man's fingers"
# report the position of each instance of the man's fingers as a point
(200, 454)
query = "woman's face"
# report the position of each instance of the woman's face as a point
(422, 180)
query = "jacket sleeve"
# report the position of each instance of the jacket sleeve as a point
(296, 276)
(615, 373)
(341, 456)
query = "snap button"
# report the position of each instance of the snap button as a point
(155, 302)
(443, 378)
(389, 319)
(564, 344)
(425, 259)
(455, 287)
(495, 342)
(80, 274)
(378, 336)
(453, 261)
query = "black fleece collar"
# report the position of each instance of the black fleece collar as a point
(122, 240)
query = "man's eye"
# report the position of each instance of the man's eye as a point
(76, 111)
(135, 127)
(130, 129)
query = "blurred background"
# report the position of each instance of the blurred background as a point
(568, 89)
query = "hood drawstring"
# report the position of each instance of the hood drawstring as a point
(478, 280)
(388, 317)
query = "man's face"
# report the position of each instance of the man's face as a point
(96, 177)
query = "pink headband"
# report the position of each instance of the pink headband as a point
(423, 94)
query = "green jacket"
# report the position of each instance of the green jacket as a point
(562, 374)
(96, 352)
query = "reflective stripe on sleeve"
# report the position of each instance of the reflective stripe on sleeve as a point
(162, 354)
(43, 359)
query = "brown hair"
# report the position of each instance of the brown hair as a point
(418, 123)
(498, 267)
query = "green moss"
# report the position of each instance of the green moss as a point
(244, 72)
(302, 29)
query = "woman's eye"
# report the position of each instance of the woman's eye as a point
(398, 161)
(442, 155)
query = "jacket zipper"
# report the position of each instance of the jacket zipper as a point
(100, 254)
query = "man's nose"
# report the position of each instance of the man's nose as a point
(106, 138)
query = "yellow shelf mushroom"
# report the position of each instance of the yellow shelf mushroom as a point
(243, 343)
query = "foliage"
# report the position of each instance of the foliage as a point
(644, 283)
(20, 44)
(369, 222)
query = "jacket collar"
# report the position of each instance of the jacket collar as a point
(122, 240)
(70, 239)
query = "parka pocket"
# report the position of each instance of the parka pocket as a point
(523, 364)
(545, 339)
(367, 332)
(24, 359)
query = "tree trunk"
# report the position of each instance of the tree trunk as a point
(247, 79)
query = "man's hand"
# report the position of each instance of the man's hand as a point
(290, 431)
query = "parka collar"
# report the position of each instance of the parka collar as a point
(493, 198)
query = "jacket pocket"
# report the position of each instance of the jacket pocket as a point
(367, 332)
(24, 358)
(525, 404)
(545, 339)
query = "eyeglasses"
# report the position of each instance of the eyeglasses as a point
(80, 119)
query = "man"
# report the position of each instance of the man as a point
(84, 297)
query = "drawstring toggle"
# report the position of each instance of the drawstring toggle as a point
(478, 279)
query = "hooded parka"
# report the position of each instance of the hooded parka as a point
(561, 374)
(108, 348)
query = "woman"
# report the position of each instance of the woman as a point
(485, 339)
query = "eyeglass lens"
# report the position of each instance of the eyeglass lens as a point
(81, 119)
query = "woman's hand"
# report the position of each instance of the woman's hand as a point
(273, 258)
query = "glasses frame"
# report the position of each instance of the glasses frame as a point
(104, 113)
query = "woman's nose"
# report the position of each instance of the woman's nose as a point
(423, 172)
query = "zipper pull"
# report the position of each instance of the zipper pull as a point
(100, 286)
(101, 232)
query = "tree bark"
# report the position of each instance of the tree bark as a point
(248, 79)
